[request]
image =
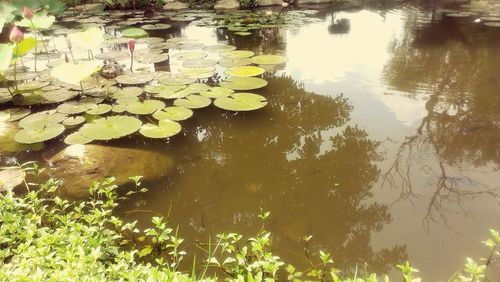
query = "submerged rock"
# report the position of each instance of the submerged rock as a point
(78, 166)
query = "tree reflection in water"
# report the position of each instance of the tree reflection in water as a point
(278, 159)
(455, 66)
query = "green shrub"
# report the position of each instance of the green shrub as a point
(46, 238)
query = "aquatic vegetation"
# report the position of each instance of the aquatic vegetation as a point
(110, 127)
(166, 128)
(245, 71)
(244, 83)
(241, 102)
(269, 59)
(76, 73)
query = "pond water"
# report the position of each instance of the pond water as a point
(380, 139)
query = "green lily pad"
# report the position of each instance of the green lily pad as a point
(91, 38)
(74, 74)
(57, 96)
(28, 99)
(241, 102)
(151, 58)
(193, 102)
(198, 73)
(126, 92)
(145, 108)
(134, 79)
(4, 116)
(149, 40)
(40, 20)
(244, 83)
(197, 88)
(15, 113)
(41, 119)
(134, 32)
(99, 109)
(165, 129)
(155, 89)
(11, 178)
(32, 136)
(73, 121)
(204, 63)
(237, 54)
(191, 46)
(170, 94)
(245, 71)
(5, 56)
(163, 45)
(74, 107)
(173, 113)
(195, 55)
(220, 48)
(157, 26)
(269, 59)
(24, 46)
(77, 139)
(32, 85)
(217, 92)
(225, 62)
(176, 80)
(110, 128)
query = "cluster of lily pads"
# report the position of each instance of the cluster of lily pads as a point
(72, 96)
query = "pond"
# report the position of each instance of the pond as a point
(380, 138)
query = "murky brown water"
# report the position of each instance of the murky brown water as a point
(381, 141)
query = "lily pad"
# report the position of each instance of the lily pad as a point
(151, 58)
(241, 102)
(11, 178)
(32, 85)
(158, 26)
(198, 73)
(176, 80)
(74, 107)
(32, 136)
(191, 46)
(126, 92)
(244, 83)
(165, 129)
(173, 113)
(197, 88)
(171, 94)
(77, 139)
(99, 109)
(16, 113)
(163, 45)
(57, 96)
(195, 55)
(73, 121)
(237, 54)
(204, 63)
(193, 102)
(145, 108)
(155, 89)
(217, 92)
(92, 38)
(110, 128)
(41, 119)
(245, 71)
(134, 79)
(134, 32)
(74, 74)
(269, 59)
(225, 62)
(219, 48)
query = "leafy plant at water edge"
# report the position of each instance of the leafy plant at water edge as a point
(45, 237)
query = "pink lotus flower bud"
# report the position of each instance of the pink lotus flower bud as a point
(27, 13)
(131, 45)
(268, 13)
(16, 35)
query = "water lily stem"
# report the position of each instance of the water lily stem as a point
(81, 86)
(131, 61)
(15, 67)
(43, 42)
